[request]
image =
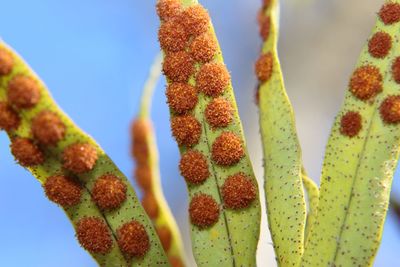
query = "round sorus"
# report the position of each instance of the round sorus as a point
(203, 48)
(79, 157)
(194, 167)
(165, 236)
(48, 128)
(186, 129)
(109, 192)
(351, 124)
(94, 235)
(150, 205)
(390, 13)
(219, 112)
(203, 210)
(227, 149)
(264, 67)
(167, 9)
(195, 19)
(396, 70)
(265, 26)
(266, 3)
(140, 152)
(63, 190)
(26, 152)
(238, 191)
(212, 79)
(178, 66)
(23, 92)
(390, 109)
(366, 82)
(181, 97)
(9, 119)
(172, 36)
(380, 44)
(133, 239)
(140, 130)
(175, 261)
(143, 177)
(6, 62)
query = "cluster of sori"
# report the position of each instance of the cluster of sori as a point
(146, 179)
(74, 171)
(190, 49)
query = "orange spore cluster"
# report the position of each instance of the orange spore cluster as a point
(63, 190)
(203, 210)
(380, 44)
(133, 239)
(350, 124)
(366, 82)
(165, 236)
(396, 70)
(186, 129)
(238, 191)
(219, 112)
(172, 36)
(390, 13)
(94, 235)
(26, 152)
(23, 92)
(140, 151)
(175, 262)
(227, 149)
(213, 79)
(203, 48)
(143, 177)
(6, 62)
(194, 167)
(149, 203)
(48, 128)
(109, 192)
(9, 119)
(195, 19)
(264, 67)
(178, 66)
(181, 97)
(167, 9)
(390, 109)
(79, 157)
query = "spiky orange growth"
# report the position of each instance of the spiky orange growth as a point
(181, 97)
(165, 236)
(195, 19)
(175, 262)
(167, 9)
(366, 82)
(109, 192)
(204, 47)
(219, 112)
(396, 70)
(203, 210)
(390, 109)
(94, 235)
(26, 152)
(48, 128)
(150, 205)
(133, 239)
(194, 167)
(178, 66)
(79, 157)
(380, 44)
(6, 62)
(9, 119)
(63, 190)
(390, 13)
(143, 177)
(212, 79)
(351, 124)
(186, 129)
(265, 26)
(227, 149)
(238, 191)
(23, 92)
(172, 36)
(264, 67)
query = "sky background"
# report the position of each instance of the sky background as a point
(94, 55)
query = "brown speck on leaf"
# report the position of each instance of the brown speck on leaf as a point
(238, 191)
(380, 44)
(26, 152)
(186, 129)
(390, 109)
(227, 149)
(351, 124)
(203, 210)
(194, 167)
(9, 119)
(213, 79)
(79, 157)
(48, 128)
(94, 235)
(109, 192)
(23, 92)
(178, 66)
(133, 239)
(63, 190)
(366, 82)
